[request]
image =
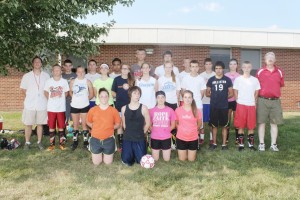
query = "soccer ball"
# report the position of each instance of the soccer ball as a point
(147, 161)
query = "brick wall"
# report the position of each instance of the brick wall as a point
(287, 59)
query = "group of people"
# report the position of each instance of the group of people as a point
(132, 102)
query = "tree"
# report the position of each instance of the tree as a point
(44, 27)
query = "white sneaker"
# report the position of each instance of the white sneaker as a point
(261, 147)
(274, 147)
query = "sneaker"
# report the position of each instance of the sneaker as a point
(211, 142)
(40, 146)
(241, 148)
(252, 148)
(51, 148)
(201, 141)
(74, 145)
(224, 147)
(261, 147)
(274, 147)
(212, 147)
(26, 147)
(62, 147)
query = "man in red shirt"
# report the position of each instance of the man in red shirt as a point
(269, 104)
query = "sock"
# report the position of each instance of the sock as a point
(62, 138)
(251, 140)
(237, 134)
(85, 135)
(38, 142)
(28, 143)
(202, 136)
(52, 137)
(210, 136)
(120, 140)
(241, 139)
(75, 135)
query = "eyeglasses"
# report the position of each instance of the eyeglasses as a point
(125, 69)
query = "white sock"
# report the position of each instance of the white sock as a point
(210, 136)
(28, 143)
(202, 136)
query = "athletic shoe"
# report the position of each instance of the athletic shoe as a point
(274, 147)
(51, 148)
(252, 148)
(241, 148)
(211, 142)
(74, 145)
(212, 147)
(201, 141)
(261, 147)
(62, 147)
(224, 147)
(40, 146)
(26, 146)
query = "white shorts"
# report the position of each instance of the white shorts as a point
(33, 117)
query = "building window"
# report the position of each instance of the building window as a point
(221, 54)
(254, 56)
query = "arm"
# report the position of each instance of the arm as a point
(173, 125)
(123, 117)
(91, 90)
(202, 93)
(208, 91)
(89, 120)
(230, 92)
(71, 88)
(23, 91)
(46, 94)
(199, 124)
(66, 94)
(146, 115)
(178, 96)
(256, 95)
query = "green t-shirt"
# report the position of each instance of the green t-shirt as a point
(107, 84)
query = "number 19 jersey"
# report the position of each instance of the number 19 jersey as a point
(219, 91)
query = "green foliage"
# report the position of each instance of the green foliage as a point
(29, 28)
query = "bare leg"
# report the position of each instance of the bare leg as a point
(214, 132)
(182, 155)
(28, 131)
(224, 135)
(155, 154)
(97, 158)
(108, 159)
(274, 133)
(166, 154)
(75, 118)
(83, 121)
(192, 155)
(39, 132)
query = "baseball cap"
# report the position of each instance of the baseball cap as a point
(104, 66)
(160, 93)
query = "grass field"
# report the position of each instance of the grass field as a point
(215, 175)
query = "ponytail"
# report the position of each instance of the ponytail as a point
(130, 80)
(173, 76)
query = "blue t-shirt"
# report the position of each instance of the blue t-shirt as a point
(219, 91)
(122, 97)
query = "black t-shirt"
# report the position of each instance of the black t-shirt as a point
(120, 88)
(219, 91)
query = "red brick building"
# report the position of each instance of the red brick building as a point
(193, 43)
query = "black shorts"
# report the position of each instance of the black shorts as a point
(218, 117)
(161, 144)
(232, 105)
(107, 146)
(186, 145)
(80, 110)
(171, 105)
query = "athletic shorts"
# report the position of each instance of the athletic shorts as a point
(186, 145)
(33, 117)
(245, 117)
(107, 146)
(171, 105)
(218, 117)
(206, 112)
(269, 111)
(56, 118)
(161, 144)
(133, 151)
(92, 104)
(80, 110)
(232, 105)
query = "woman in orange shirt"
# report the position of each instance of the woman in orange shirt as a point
(103, 120)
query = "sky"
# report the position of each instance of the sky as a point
(261, 14)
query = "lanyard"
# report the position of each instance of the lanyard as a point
(37, 84)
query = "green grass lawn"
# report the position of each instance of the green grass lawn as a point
(215, 175)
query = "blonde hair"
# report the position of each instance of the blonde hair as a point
(194, 107)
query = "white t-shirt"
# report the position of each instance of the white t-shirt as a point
(57, 97)
(148, 92)
(196, 85)
(92, 78)
(34, 86)
(206, 76)
(160, 71)
(113, 75)
(80, 97)
(170, 88)
(182, 75)
(246, 88)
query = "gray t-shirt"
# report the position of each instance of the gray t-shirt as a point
(69, 77)
(136, 71)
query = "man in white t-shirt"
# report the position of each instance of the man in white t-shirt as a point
(195, 83)
(186, 64)
(35, 103)
(56, 89)
(246, 88)
(207, 74)
(92, 75)
(160, 70)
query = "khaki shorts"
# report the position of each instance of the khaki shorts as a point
(269, 111)
(33, 117)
